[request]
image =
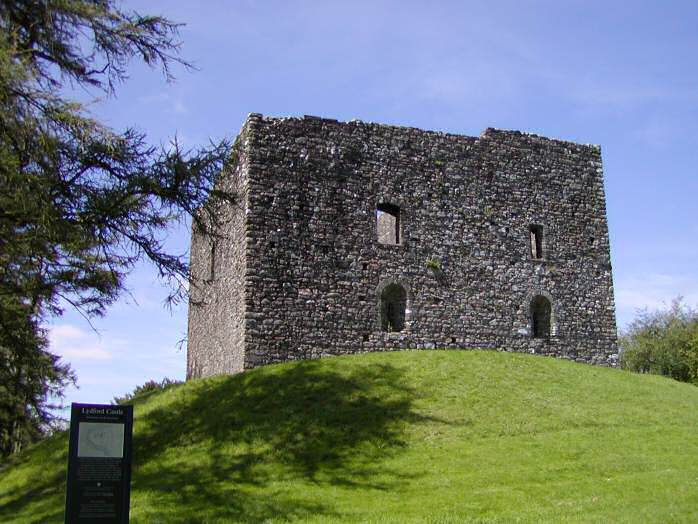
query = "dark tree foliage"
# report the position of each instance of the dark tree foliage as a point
(80, 203)
(29, 377)
(663, 342)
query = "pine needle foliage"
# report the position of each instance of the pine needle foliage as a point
(81, 203)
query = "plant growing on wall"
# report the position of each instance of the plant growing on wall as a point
(434, 264)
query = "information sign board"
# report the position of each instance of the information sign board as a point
(99, 464)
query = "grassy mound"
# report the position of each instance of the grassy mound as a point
(424, 436)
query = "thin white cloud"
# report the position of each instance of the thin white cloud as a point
(174, 103)
(459, 86)
(663, 131)
(613, 90)
(179, 107)
(610, 93)
(652, 292)
(73, 343)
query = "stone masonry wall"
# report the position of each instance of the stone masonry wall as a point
(216, 334)
(314, 271)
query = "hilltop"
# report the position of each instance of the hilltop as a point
(425, 436)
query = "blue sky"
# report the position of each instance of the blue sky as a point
(611, 73)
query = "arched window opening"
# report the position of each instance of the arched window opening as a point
(393, 305)
(388, 223)
(540, 317)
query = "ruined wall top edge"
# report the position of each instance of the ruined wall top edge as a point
(488, 133)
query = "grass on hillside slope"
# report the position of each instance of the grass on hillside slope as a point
(424, 436)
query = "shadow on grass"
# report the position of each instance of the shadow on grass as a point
(247, 448)
(268, 435)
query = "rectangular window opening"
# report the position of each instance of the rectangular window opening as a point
(388, 223)
(536, 241)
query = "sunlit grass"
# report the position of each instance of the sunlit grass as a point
(423, 436)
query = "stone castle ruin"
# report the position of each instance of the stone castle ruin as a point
(355, 237)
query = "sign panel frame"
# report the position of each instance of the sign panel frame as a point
(98, 488)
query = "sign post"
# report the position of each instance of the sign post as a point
(99, 464)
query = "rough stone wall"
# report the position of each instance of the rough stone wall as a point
(314, 269)
(216, 331)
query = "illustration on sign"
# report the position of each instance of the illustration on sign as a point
(100, 440)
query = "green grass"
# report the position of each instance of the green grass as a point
(424, 436)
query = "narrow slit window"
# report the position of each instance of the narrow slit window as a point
(540, 317)
(536, 234)
(212, 262)
(388, 223)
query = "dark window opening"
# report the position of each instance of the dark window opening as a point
(393, 305)
(453, 340)
(388, 223)
(212, 262)
(536, 241)
(540, 317)
(365, 338)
